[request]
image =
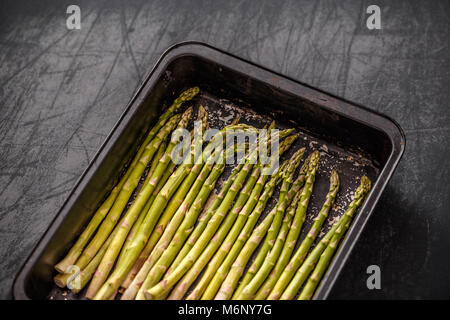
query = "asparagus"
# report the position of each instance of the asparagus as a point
(178, 197)
(158, 290)
(195, 177)
(231, 237)
(238, 216)
(249, 291)
(113, 215)
(198, 194)
(86, 274)
(271, 236)
(146, 274)
(121, 271)
(303, 272)
(138, 222)
(280, 254)
(227, 287)
(299, 256)
(131, 215)
(157, 272)
(332, 237)
(262, 253)
(204, 218)
(328, 253)
(229, 250)
(181, 289)
(155, 235)
(229, 284)
(97, 218)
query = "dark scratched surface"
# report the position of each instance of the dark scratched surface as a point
(61, 92)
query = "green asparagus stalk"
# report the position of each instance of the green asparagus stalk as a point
(166, 216)
(328, 253)
(276, 224)
(204, 218)
(280, 254)
(199, 188)
(156, 273)
(234, 221)
(175, 202)
(237, 269)
(251, 289)
(262, 253)
(228, 286)
(86, 274)
(230, 239)
(101, 212)
(195, 177)
(159, 289)
(114, 214)
(138, 222)
(180, 290)
(302, 273)
(121, 271)
(131, 215)
(335, 234)
(299, 256)
(230, 250)
(145, 275)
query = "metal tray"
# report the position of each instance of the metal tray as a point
(352, 139)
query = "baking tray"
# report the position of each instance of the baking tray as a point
(351, 138)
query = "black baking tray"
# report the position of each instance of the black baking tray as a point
(351, 138)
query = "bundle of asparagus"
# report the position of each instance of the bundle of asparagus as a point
(156, 244)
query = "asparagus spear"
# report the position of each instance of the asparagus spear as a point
(302, 273)
(262, 253)
(220, 234)
(86, 274)
(271, 236)
(159, 270)
(231, 237)
(132, 214)
(125, 193)
(158, 290)
(228, 286)
(160, 227)
(299, 256)
(203, 220)
(146, 276)
(229, 250)
(206, 217)
(181, 289)
(97, 218)
(328, 253)
(121, 271)
(250, 290)
(238, 216)
(332, 237)
(138, 222)
(195, 177)
(198, 195)
(280, 254)
(178, 197)
(208, 212)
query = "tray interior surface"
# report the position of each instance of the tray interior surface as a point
(348, 146)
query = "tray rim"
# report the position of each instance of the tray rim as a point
(381, 122)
